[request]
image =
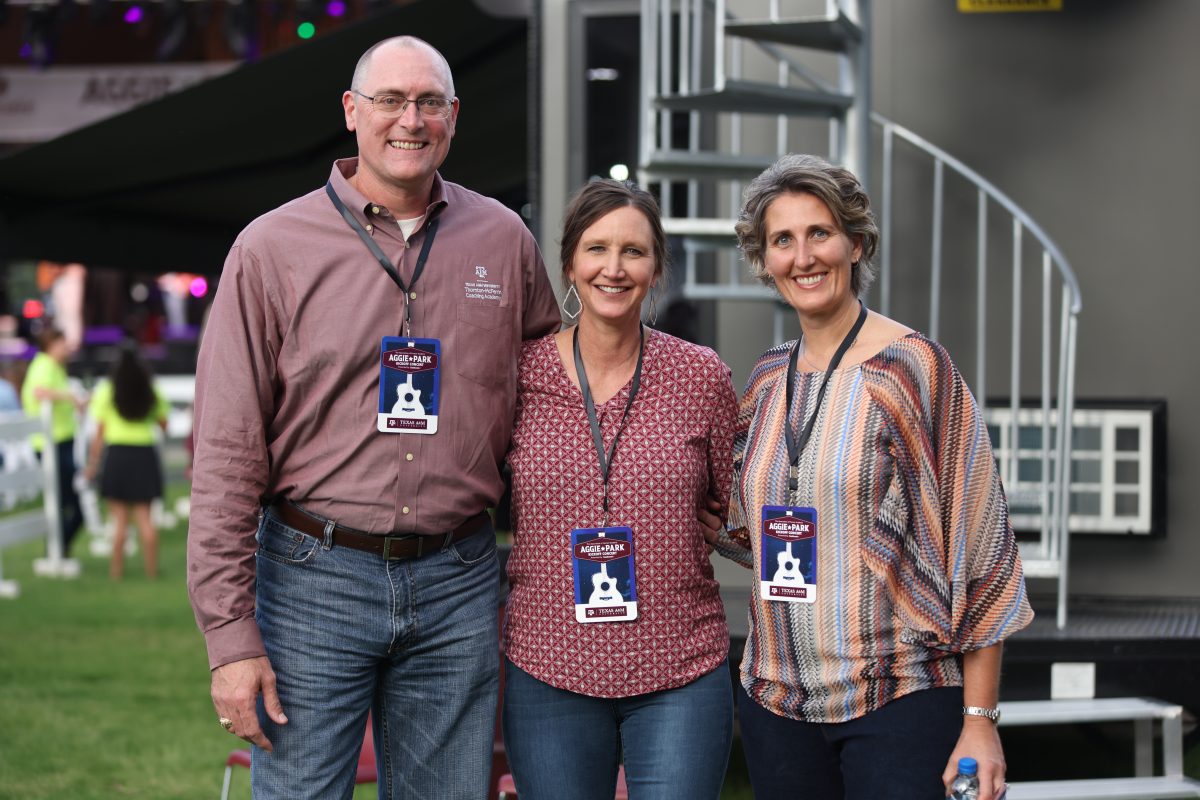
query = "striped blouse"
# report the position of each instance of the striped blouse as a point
(915, 557)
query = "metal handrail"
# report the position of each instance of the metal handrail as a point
(1054, 543)
(1000, 197)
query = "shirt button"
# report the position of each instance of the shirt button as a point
(369, 228)
(404, 510)
(412, 295)
(408, 457)
(374, 209)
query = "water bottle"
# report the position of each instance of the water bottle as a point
(966, 783)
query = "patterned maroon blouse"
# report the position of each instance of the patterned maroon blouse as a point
(674, 452)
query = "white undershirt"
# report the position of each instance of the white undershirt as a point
(407, 226)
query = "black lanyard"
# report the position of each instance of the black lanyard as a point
(597, 438)
(796, 446)
(384, 261)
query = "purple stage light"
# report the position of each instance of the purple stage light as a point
(133, 15)
(198, 286)
(335, 8)
(26, 51)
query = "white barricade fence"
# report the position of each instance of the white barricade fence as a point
(180, 392)
(21, 478)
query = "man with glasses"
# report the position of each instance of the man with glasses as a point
(354, 400)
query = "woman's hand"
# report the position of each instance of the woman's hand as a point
(979, 738)
(981, 741)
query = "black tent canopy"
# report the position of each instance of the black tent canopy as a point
(168, 185)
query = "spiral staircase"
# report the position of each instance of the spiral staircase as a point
(725, 93)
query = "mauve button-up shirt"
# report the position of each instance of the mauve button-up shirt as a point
(288, 379)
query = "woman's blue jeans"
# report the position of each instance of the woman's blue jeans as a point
(415, 642)
(567, 746)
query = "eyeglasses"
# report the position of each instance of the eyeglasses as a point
(394, 105)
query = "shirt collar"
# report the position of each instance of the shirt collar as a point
(344, 168)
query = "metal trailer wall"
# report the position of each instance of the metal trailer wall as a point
(1088, 118)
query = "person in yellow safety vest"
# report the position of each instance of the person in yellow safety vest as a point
(46, 379)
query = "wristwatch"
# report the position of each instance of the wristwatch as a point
(978, 711)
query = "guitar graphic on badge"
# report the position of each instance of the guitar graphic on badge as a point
(788, 570)
(604, 589)
(789, 533)
(597, 593)
(408, 399)
(403, 407)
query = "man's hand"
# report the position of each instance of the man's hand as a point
(235, 689)
(710, 523)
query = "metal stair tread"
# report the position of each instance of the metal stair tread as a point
(726, 291)
(685, 164)
(1101, 709)
(819, 33)
(702, 227)
(1156, 788)
(752, 97)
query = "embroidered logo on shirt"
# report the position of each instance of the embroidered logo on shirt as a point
(481, 288)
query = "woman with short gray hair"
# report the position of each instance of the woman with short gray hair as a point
(867, 502)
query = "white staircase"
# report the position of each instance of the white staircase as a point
(1144, 713)
(729, 85)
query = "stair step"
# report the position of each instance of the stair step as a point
(724, 291)
(1159, 788)
(683, 165)
(819, 33)
(1101, 709)
(752, 97)
(712, 231)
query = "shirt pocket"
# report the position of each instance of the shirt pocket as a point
(485, 352)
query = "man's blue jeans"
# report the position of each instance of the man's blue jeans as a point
(415, 642)
(567, 746)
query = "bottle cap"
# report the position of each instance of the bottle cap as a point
(967, 766)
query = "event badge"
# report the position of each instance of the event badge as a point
(602, 562)
(789, 554)
(409, 385)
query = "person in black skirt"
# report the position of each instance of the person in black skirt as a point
(127, 408)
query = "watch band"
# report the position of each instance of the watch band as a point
(979, 711)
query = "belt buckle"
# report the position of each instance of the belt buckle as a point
(387, 546)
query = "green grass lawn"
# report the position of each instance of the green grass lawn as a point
(104, 686)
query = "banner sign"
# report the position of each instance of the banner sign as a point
(40, 104)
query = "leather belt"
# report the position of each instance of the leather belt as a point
(392, 546)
